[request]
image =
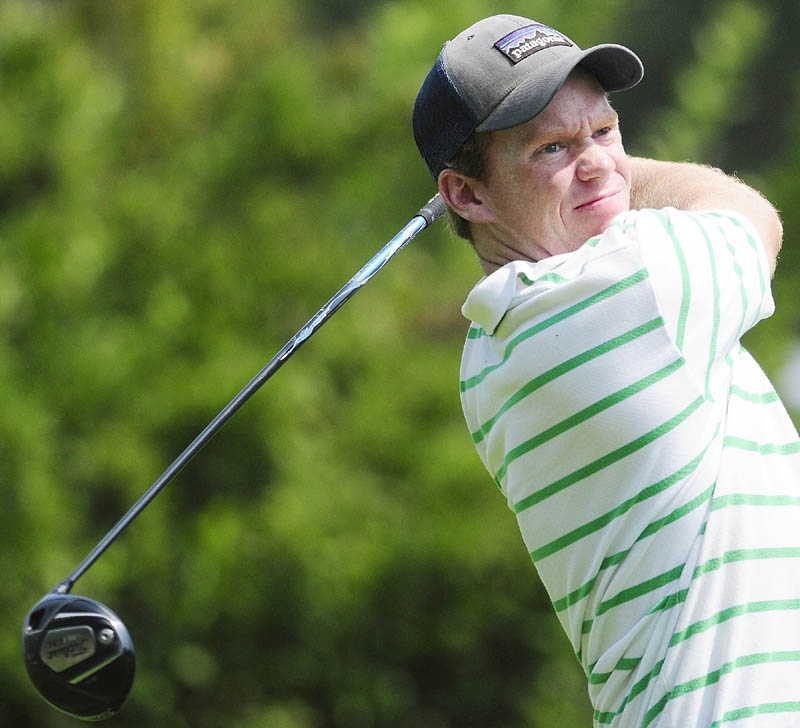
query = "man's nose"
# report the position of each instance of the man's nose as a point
(594, 163)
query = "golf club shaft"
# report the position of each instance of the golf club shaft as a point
(430, 212)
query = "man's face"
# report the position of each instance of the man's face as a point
(559, 179)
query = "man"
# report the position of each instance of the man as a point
(653, 471)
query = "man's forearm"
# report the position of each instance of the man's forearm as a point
(687, 186)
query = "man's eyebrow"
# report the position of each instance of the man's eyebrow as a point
(554, 130)
(609, 116)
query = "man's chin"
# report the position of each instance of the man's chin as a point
(596, 220)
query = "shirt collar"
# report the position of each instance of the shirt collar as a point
(489, 300)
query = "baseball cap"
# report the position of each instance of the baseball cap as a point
(500, 72)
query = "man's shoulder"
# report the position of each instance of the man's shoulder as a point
(665, 221)
(636, 245)
(561, 286)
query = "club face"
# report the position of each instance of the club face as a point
(79, 655)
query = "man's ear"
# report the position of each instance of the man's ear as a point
(465, 195)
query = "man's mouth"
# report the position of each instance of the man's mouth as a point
(597, 201)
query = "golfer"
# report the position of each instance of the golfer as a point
(653, 471)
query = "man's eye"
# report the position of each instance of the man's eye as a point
(551, 148)
(602, 132)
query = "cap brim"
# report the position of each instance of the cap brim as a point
(616, 67)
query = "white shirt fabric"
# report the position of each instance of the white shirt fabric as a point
(654, 473)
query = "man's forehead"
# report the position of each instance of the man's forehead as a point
(561, 118)
(578, 101)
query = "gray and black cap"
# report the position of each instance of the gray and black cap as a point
(501, 72)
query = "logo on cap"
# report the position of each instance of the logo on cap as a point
(531, 39)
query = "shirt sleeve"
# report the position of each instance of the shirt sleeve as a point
(711, 280)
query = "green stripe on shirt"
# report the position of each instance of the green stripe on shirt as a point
(713, 677)
(762, 448)
(751, 241)
(652, 490)
(639, 590)
(753, 499)
(742, 287)
(586, 413)
(626, 664)
(773, 605)
(792, 706)
(563, 368)
(577, 308)
(723, 616)
(606, 460)
(755, 398)
(690, 685)
(730, 557)
(715, 317)
(553, 277)
(575, 596)
(686, 294)
(636, 690)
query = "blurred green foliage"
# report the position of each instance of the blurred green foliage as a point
(182, 185)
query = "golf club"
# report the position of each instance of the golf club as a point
(78, 653)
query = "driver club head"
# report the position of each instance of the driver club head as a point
(79, 655)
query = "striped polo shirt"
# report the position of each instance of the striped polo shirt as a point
(653, 471)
